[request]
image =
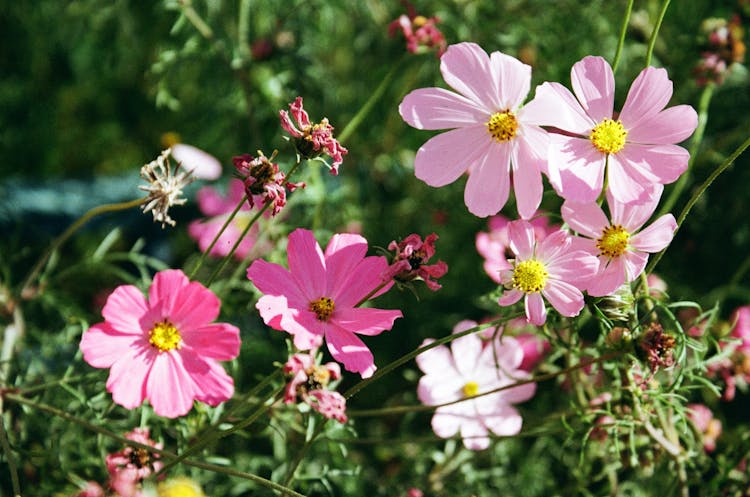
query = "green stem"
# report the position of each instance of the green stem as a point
(703, 105)
(191, 15)
(10, 460)
(243, 28)
(722, 167)
(655, 32)
(57, 243)
(623, 32)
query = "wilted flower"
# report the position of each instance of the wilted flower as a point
(312, 140)
(706, 423)
(128, 467)
(724, 46)
(262, 179)
(421, 33)
(309, 383)
(164, 187)
(411, 258)
(658, 347)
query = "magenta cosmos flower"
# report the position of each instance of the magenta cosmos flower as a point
(318, 296)
(620, 244)
(637, 147)
(468, 368)
(551, 269)
(492, 135)
(165, 348)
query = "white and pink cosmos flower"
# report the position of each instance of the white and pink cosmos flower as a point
(636, 148)
(164, 349)
(620, 244)
(492, 134)
(319, 296)
(472, 366)
(550, 269)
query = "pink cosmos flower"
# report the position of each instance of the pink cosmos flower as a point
(492, 135)
(411, 258)
(620, 244)
(165, 348)
(421, 33)
(130, 466)
(637, 147)
(217, 208)
(469, 368)
(735, 368)
(312, 140)
(552, 269)
(318, 296)
(309, 383)
(493, 246)
(202, 164)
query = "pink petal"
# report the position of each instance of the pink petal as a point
(124, 308)
(211, 383)
(435, 361)
(306, 263)
(522, 239)
(564, 297)
(474, 435)
(466, 351)
(669, 126)
(365, 320)
(574, 266)
(165, 290)
(194, 306)
(445, 425)
(627, 183)
(445, 157)
(581, 167)
(169, 387)
(435, 108)
(505, 421)
(102, 345)
(343, 252)
(365, 277)
(220, 341)
(439, 388)
(657, 236)
(649, 94)
(210, 201)
(594, 85)
(521, 393)
(632, 216)
(499, 358)
(510, 297)
(489, 182)
(536, 313)
(555, 106)
(466, 68)
(273, 279)
(127, 377)
(202, 164)
(350, 351)
(635, 262)
(664, 163)
(527, 179)
(587, 219)
(610, 278)
(512, 78)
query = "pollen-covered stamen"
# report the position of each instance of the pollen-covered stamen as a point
(502, 126)
(318, 377)
(613, 242)
(530, 276)
(140, 458)
(470, 389)
(164, 336)
(608, 136)
(323, 308)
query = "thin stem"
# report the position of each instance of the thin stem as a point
(623, 32)
(191, 15)
(655, 32)
(57, 243)
(722, 167)
(703, 105)
(12, 468)
(243, 28)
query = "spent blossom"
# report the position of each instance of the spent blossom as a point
(410, 261)
(707, 425)
(164, 349)
(310, 382)
(164, 187)
(319, 296)
(471, 367)
(312, 140)
(636, 147)
(724, 46)
(550, 269)
(490, 135)
(263, 180)
(130, 466)
(421, 33)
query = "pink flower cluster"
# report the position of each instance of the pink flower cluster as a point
(130, 466)
(309, 384)
(421, 33)
(735, 368)
(410, 261)
(262, 179)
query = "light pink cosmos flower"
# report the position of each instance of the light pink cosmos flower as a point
(551, 269)
(130, 466)
(165, 348)
(318, 296)
(620, 244)
(312, 140)
(469, 368)
(637, 146)
(493, 246)
(217, 208)
(309, 384)
(492, 135)
(202, 164)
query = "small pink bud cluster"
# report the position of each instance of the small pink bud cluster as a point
(410, 261)
(262, 177)
(309, 384)
(421, 33)
(725, 46)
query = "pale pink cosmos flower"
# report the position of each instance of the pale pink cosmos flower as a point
(319, 296)
(217, 209)
(131, 465)
(551, 269)
(312, 140)
(493, 245)
(468, 368)
(200, 163)
(492, 135)
(164, 349)
(619, 242)
(637, 147)
(309, 384)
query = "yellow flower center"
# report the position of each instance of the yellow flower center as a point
(614, 241)
(502, 126)
(530, 276)
(179, 487)
(608, 136)
(164, 336)
(320, 375)
(323, 308)
(471, 389)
